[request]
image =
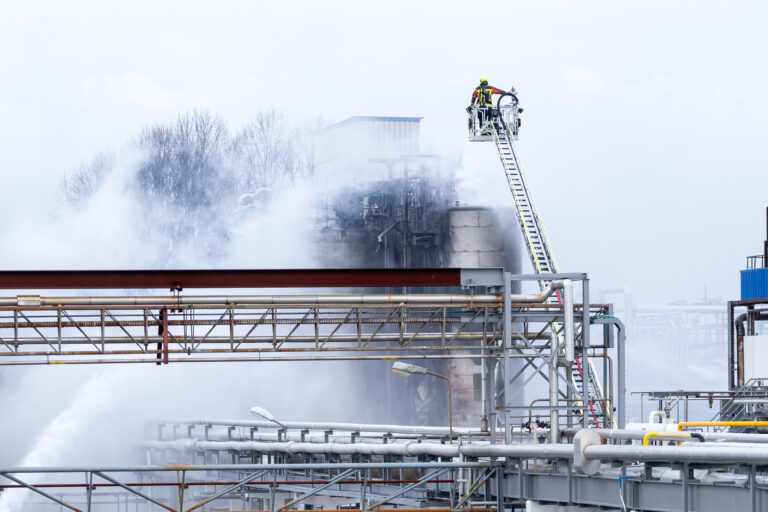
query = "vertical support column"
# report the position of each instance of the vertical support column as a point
(731, 351)
(16, 330)
(492, 423)
(765, 244)
(89, 491)
(364, 483)
(585, 368)
(165, 336)
(484, 369)
(232, 328)
(507, 341)
(58, 326)
(500, 489)
(101, 314)
(609, 341)
(621, 377)
(182, 485)
(554, 413)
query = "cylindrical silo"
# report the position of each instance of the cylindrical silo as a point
(478, 237)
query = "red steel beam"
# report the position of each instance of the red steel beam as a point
(230, 278)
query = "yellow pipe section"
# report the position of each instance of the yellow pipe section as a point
(683, 424)
(665, 435)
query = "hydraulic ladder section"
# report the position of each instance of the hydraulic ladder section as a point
(504, 129)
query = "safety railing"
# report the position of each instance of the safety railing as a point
(756, 261)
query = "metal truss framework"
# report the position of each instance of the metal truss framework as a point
(436, 486)
(179, 328)
(39, 333)
(632, 486)
(191, 487)
(490, 326)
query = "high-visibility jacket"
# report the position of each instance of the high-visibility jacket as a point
(483, 95)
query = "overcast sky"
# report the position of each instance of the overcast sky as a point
(643, 133)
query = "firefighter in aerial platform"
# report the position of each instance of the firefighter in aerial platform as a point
(482, 97)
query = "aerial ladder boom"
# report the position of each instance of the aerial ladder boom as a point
(502, 126)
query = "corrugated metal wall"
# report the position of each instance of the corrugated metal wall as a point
(754, 284)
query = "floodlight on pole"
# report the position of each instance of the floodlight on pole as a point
(260, 412)
(406, 370)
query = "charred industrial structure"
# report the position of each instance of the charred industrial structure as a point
(389, 206)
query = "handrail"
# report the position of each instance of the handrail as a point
(684, 424)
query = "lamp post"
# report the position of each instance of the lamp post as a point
(406, 370)
(260, 412)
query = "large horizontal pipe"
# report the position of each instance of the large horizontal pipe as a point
(322, 338)
(247, 467)
(708, 436)
(282, 350)
(705, 453)
(466, 300)
(405, 449)
(51, 359)
(325, 426)
(266, 300)
(463, 300)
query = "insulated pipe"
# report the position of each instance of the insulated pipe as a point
(570, 351)
(684, 424)
(570, 346)
(554, 413)
(705, 453)
(756, 315)
(254, 300)
(665, 435)
(620, 362)
(657, 414)
(739, 321)
(706, 436)
(247, 467)
(539, 451)
(325, 426)
(159, 300)
(407, 449)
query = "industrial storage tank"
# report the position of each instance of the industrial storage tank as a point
(478, 237)
(482, 237)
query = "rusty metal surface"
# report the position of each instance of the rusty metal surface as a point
(228, 278)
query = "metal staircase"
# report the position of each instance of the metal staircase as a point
(747, 403)
(503, 128)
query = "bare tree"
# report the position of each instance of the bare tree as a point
(192, 173)
(183, 163)
(266, 151)
(78, 186)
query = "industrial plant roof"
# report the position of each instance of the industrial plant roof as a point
(382, 119)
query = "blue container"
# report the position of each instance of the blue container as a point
(754, 284)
